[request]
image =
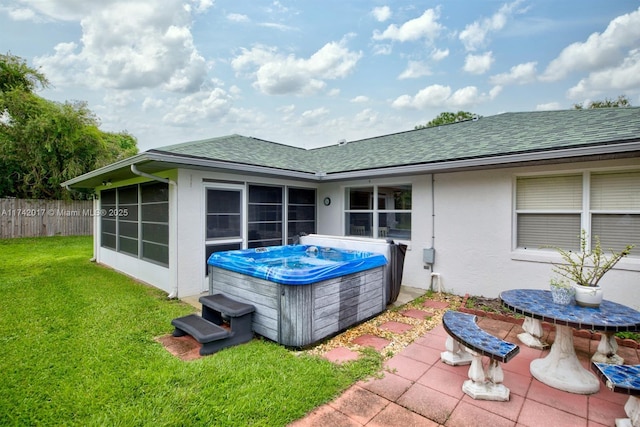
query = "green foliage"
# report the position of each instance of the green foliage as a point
(44, 143)
(79, 348)
(622, 101)
(587, 268)
(448, 117)
(16, 74)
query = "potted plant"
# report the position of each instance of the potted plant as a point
(562, 292)
(585, 269)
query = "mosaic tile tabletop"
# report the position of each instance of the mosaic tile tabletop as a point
(536, 303)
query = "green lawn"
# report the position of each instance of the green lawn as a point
(77, 348)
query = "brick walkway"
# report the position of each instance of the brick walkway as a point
(417, 389)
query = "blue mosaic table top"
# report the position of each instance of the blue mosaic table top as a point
(619, 378)
(536, 303)
(463, 327)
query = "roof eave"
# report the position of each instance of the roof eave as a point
(484, 162)
(175, 161)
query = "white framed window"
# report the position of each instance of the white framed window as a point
(379, 211)
(551, 210)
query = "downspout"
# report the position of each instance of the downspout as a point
(434, 275)
(174, 293)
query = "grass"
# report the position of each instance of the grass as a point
(77, 348)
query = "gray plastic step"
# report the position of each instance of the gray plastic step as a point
(225, 305)
(201, 329)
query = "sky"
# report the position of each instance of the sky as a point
(314, 73)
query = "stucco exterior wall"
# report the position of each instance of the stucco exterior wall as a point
(473, 215)
(475, 247)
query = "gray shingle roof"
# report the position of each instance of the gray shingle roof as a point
(499, 135)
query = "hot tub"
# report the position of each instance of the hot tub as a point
(302, 293)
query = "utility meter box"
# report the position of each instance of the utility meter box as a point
(429, 255)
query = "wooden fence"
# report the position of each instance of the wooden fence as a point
(31, 218)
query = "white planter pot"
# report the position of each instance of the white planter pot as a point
(588, 296)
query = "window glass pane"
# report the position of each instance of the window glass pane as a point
(615, 191)
(108, 197)
(223, 201)
(394, 198)
(396, 225)
(549, 192)
(616, 232)
(157, 233)
(536, 231)
(128, 229)
(265, 234)
(360, 198)
(265, 212)
(108, 226)
(155, 212)
(155, 192)
(263, 194)
(155, 252)
(108, 240)
(127, 245)
(128, 195)
(358, 224)
(302, 196)
(219, 226)
(223, 214)
(299, 213)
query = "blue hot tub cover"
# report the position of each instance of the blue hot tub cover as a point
(296, 264)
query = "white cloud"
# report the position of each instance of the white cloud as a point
(367, 117)
(464, 97)
(622, 78)
(518, 74)
(600, 50)
(414, 70)
(438, 96)
(129, 45)
(382, 49)
(478, 64)
(475, 35)
(237, 17)
(22, 14)
(425, 27)
(275, 73)
(431, 96)
(549, 106)
(313, 117)
(439, 54)
(360, 99)
(209, 105)
(381, 13)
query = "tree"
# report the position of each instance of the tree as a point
(448, 117)
(622, 101)
(44, 143)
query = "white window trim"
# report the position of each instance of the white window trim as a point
(550, 256)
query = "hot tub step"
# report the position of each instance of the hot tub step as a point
(201, 329)
(226, 305)
(217, 310)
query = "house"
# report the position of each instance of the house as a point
(489, 195)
